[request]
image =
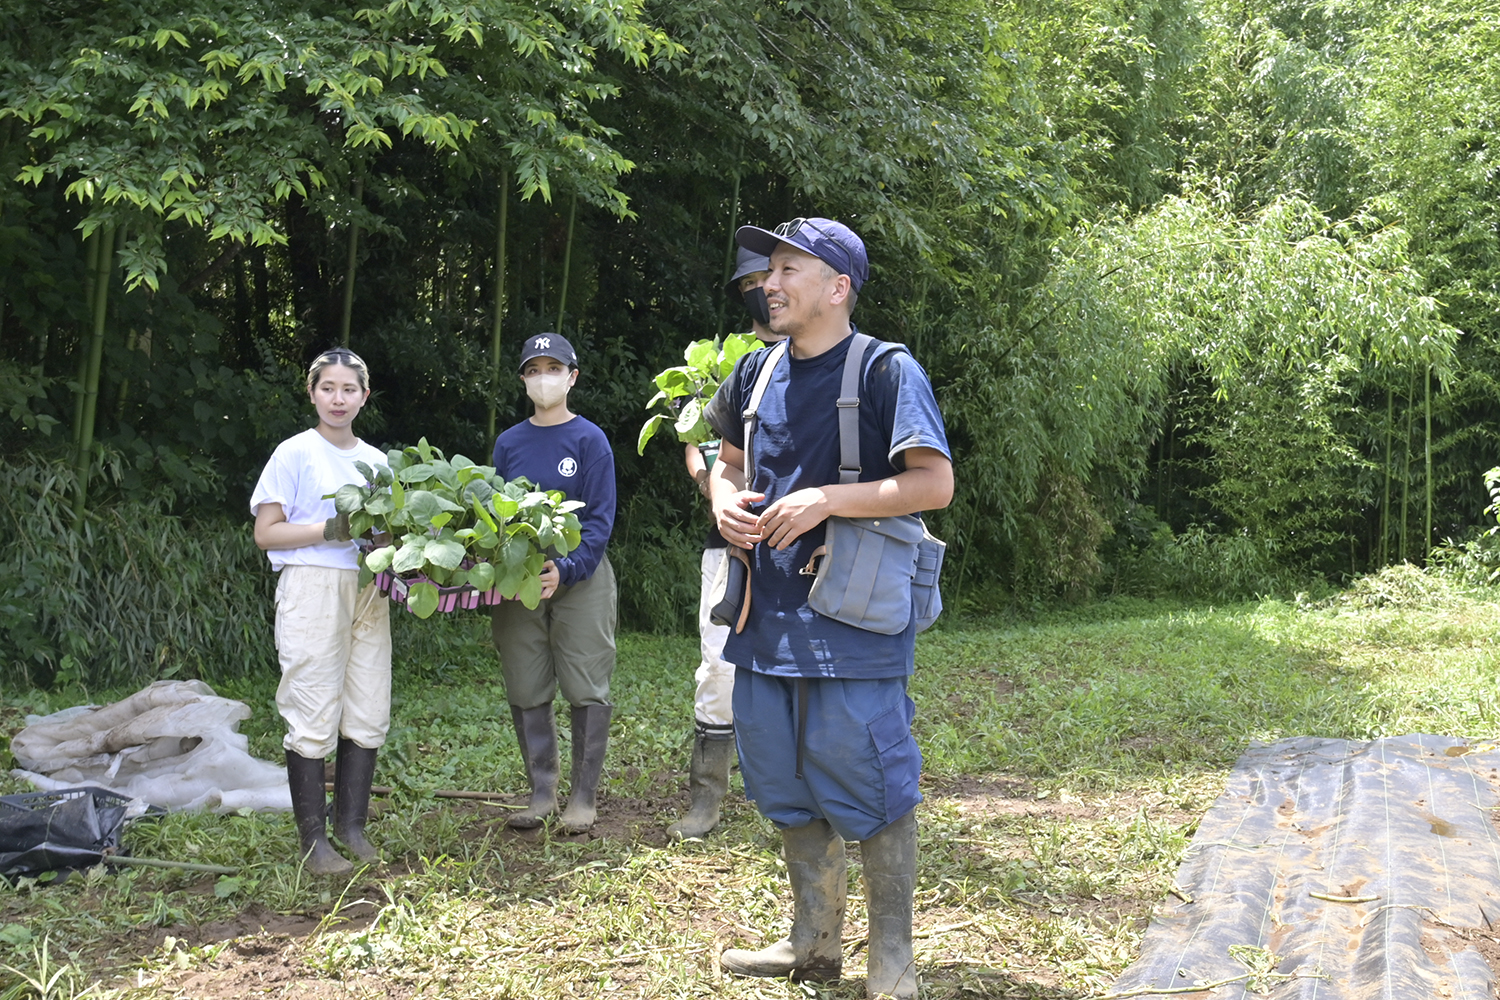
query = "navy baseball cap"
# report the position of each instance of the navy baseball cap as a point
(548, 345)
(834, 243)
(745, 262)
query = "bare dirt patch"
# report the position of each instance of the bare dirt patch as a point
(257, 920)
(637, 820)
(270, 967)
(1003, 796)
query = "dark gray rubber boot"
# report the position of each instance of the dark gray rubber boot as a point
(890, 876)
(310, 809)
(354, 772)
(814, 950)
(590, 741)
(536, 731)
(708, 780)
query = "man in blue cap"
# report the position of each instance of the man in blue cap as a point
(713, 737)
(821, 712)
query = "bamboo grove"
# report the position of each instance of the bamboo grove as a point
(1208, 292)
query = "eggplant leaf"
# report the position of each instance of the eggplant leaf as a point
(422, 599)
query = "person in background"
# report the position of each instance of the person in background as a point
(333, 638)
(568, 641)
(821, 710)
(713, 711)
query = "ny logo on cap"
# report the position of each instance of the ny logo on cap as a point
(542, 343)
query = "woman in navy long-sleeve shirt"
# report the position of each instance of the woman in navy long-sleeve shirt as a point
(568, 642)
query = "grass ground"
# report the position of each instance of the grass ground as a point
(1067, 763)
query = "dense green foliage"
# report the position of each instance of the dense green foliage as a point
(1190, 277)
(128, 593)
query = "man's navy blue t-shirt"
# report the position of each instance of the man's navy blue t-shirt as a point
(573, 457)
(797, 446)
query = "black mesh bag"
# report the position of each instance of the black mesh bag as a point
(53, 831)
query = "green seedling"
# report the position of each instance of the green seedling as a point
(455, 522)
(683, 391)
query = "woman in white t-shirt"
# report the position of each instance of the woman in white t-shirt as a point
(332, 638)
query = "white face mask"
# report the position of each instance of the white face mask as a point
(547, 390)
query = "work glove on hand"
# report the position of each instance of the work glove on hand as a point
(336, 528)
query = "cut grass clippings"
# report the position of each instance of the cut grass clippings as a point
(1067, 763)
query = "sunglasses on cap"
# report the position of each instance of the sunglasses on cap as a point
(789, 229)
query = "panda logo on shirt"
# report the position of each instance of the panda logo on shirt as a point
(567, 468)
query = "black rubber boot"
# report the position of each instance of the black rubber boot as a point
(814, 950)
(708, 780)
(590, 740)
(354, 771)
(310, 808)
(890, 876)
(536, 731)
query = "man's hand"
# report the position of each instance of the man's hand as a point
(737, 524)
(550, 578)
(793, 515)
(726, 489)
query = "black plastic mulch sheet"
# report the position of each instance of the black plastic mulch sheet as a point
(1408, 820)
(51, 831)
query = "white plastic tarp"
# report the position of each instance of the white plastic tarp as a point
(175, 744)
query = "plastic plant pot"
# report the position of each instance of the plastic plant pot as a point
(450, 599)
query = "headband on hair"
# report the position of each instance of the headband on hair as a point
(339, 356)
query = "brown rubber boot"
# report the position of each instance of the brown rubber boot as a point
(708, 779)
(310, 809)
(536, 731)
(814, 949)
(890, 876)
(590, 741)
(354, 772)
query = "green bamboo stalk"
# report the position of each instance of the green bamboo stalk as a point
(1411, 390)
(1385, 505)
(186, 866)
(517, 273)
(919, 329)
(90, 266)
(82, 459)
(729, 254)
(1161, 471)
(1427, 406)
(499, 296)
(963, 560)
(1171, 464)
(350, 265)
(562, 294)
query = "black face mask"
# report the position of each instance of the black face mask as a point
(757, 307)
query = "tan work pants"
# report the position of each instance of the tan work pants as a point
(334, 644)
